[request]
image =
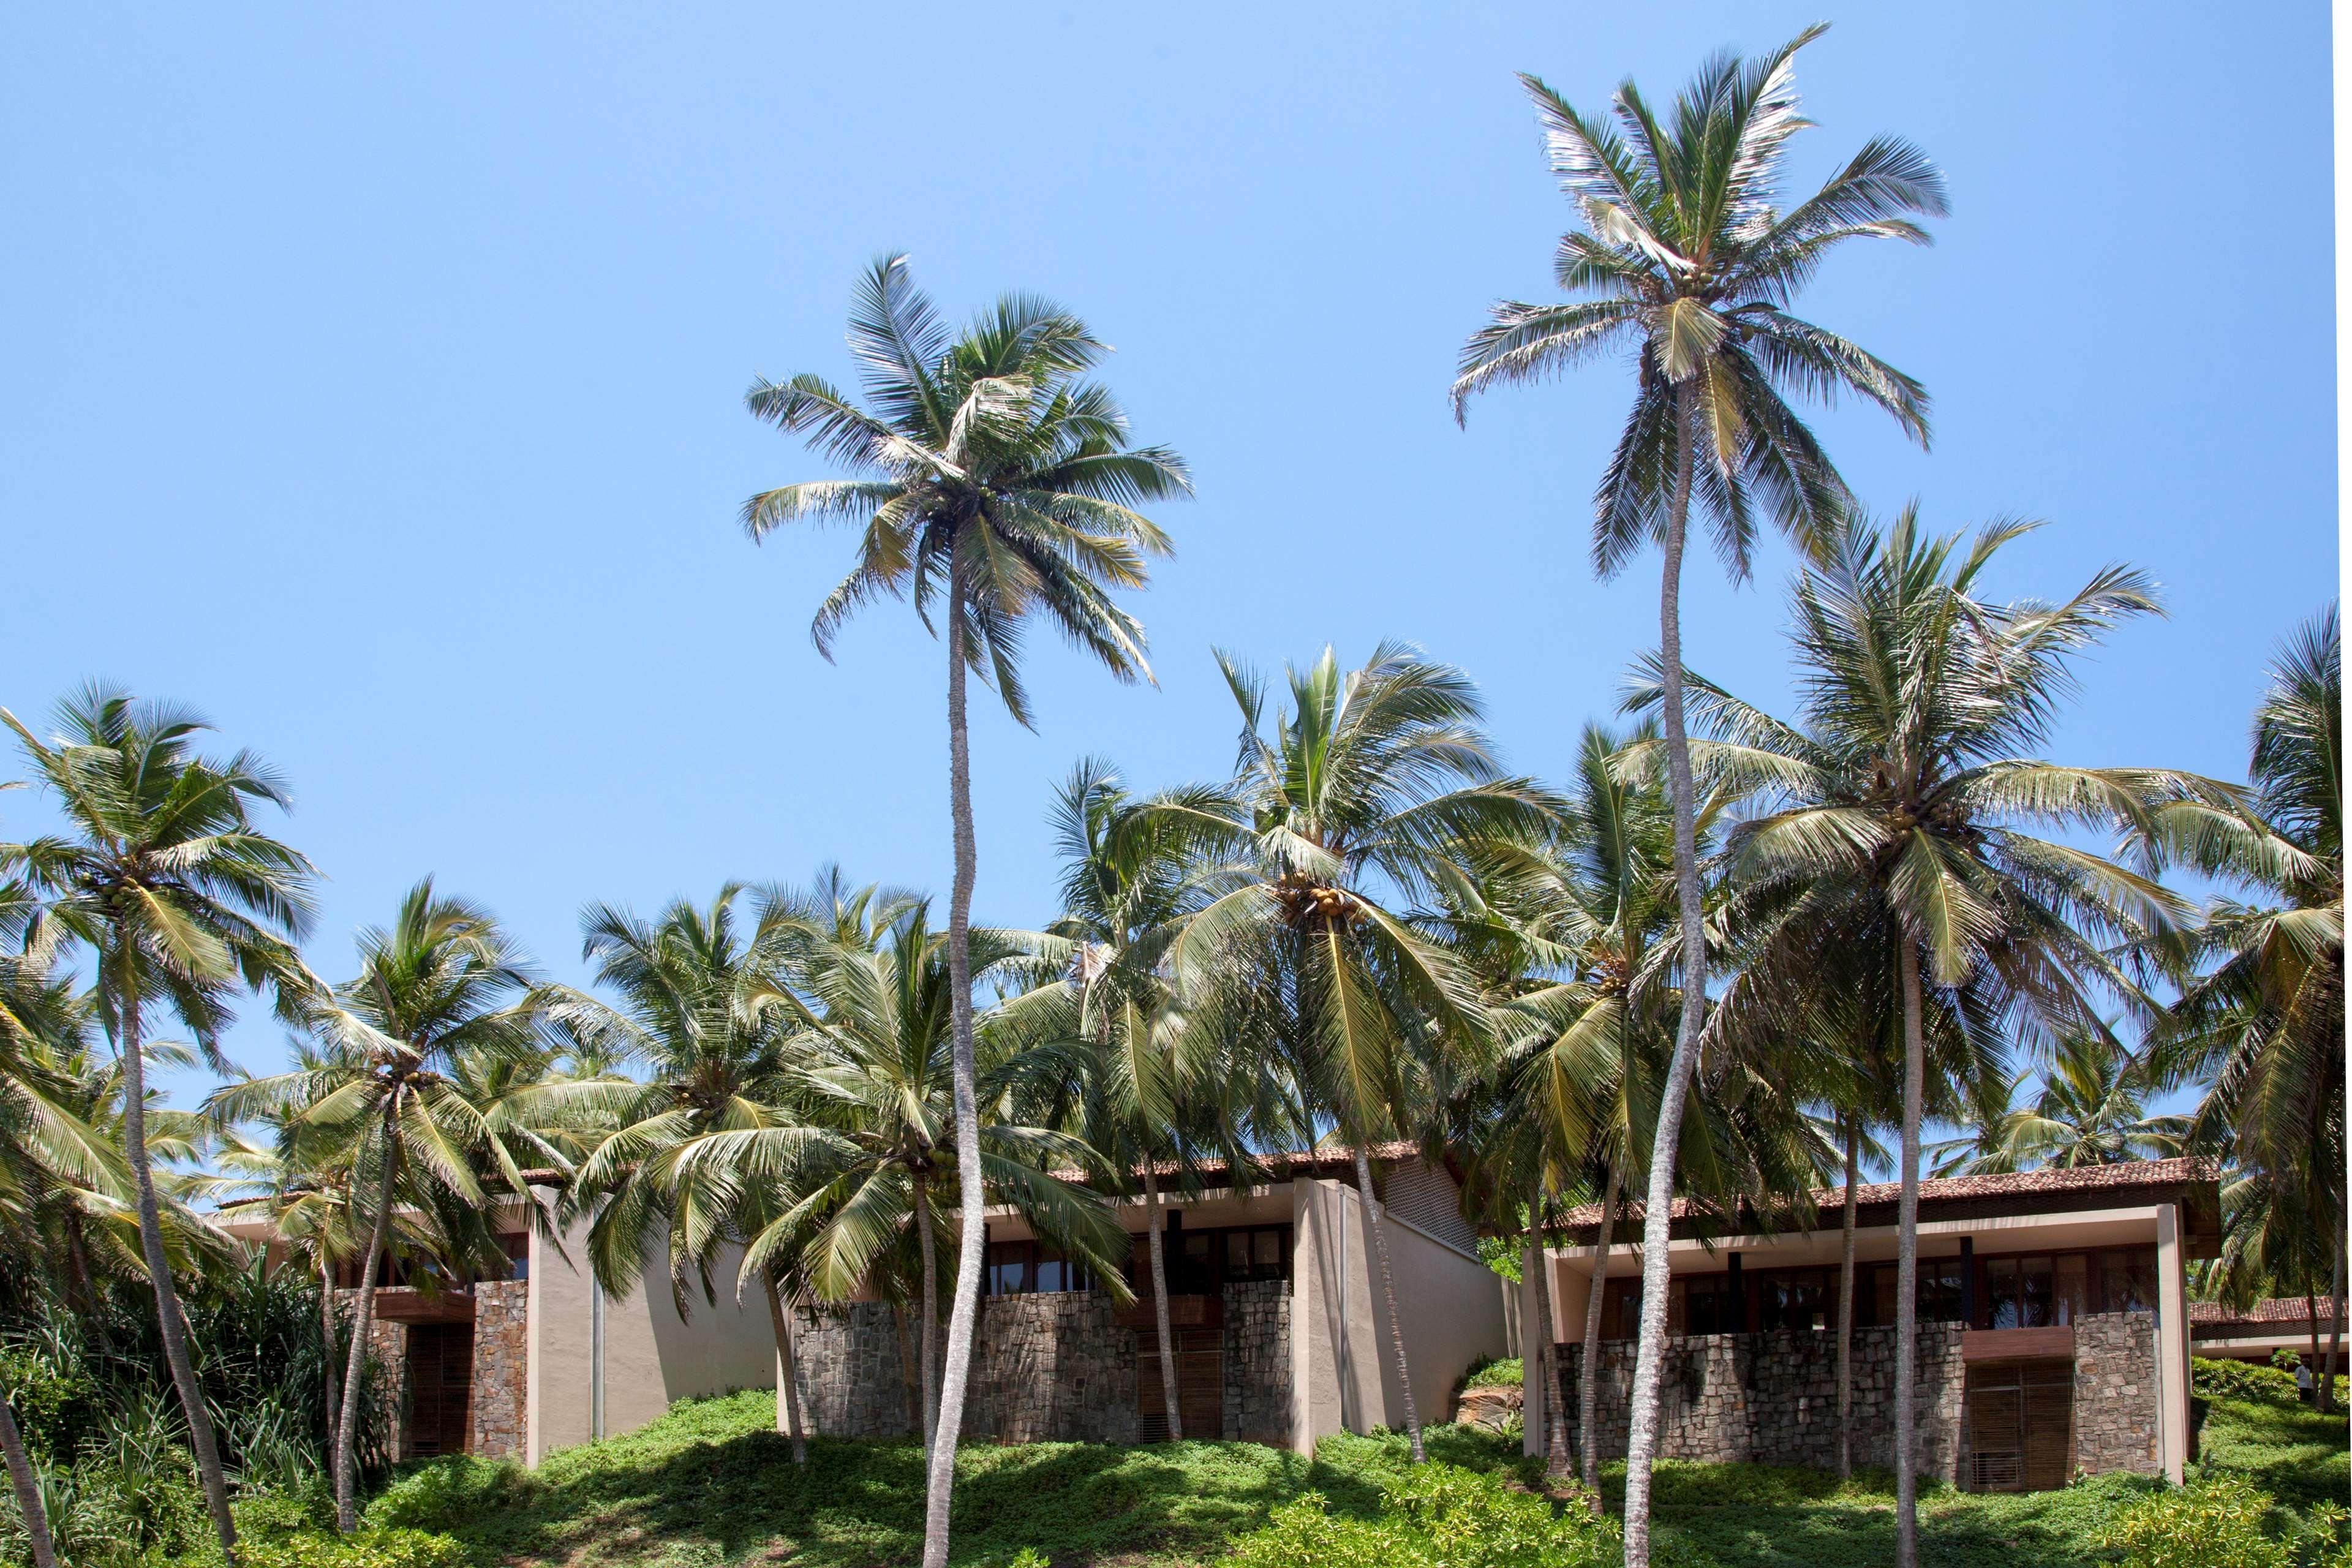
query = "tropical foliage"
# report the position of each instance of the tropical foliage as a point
(1720, 961)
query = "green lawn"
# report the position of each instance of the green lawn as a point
(711, 1485)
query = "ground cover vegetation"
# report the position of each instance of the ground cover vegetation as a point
(1730, 957)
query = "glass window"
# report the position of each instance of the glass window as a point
(1794, 1299)
(1708, 1307)
(2127, 1280)
(1009, 1268)
(2074, 1286)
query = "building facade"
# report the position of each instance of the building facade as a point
(1281, 1336)
(2053, 1328)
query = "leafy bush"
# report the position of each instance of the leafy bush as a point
(2239, 1380)
(1437, 1515)
(366, 1549)
(448, 1493)
(2214, 1524)
(1488, 1374)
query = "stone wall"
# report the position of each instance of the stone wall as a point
(1257, 1362)
(852, 1369)
(1049, 1367)
(1771, 1398)
(501, 1360)
(1052, 1367)
(2116, 1408)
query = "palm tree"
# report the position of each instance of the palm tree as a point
(1341, 805)
(990, 472)
(870, 1179)
(706, 1010)
(2264, 1024)
(162, 873)
(441, 986)
(304, 1186)
(1904, 811)
(2091, 1109)
(1149, 1085)
(1694, 267)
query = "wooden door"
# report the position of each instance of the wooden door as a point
(1200, 1383)
(440, 1388)
(2021, 1420)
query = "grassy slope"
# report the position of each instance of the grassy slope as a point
(711, 1484)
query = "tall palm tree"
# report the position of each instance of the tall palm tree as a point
(1341, 805)
(303, 1184)
(706, 1011)
(2263, 1023)
(442, 984)
(161, 872)
(2090, 1108)
(993, 477)
(1693, 267)
(1148, 1088)
(1904, 810)
(879, 1167)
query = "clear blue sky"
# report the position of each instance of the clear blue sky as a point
(375, 384)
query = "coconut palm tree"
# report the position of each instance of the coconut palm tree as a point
(2261, 1022)
(1340, 807)
(441, 984)
(2089, 1109)
(1693, 267)
(162, 873)
(706, 1011)
(1151, 1090)
(876, 1173)
(1907, 803)
(993, 478)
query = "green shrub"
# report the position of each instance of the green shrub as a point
(366, 1549)
(2214, 1524)
(2239, 1380)
(448, 1494)
(1485, 1373)
(1438, 1516)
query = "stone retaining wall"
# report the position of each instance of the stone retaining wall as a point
(388, 1349)
(1048, 1367)
(2116, 1409)
(1052, 1367)
(501, 1360)
(1771, 1398)
(1257, 1362)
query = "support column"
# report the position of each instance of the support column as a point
(2171, 1343)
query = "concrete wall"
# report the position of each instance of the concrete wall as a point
(648, 1354)
(1343, 1362)
(1771, 1398)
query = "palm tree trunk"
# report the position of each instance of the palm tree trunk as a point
(927, 1360)
(168, 1316)
(1907, 1270)
(788, 1373)
(965, 1313)
(362, 1318)
(2335, 1329)
(327, 1360)
(1845, 1305)
(1657, 1211)
(2311, 1313)
(28, 1487)
(1387, 1293)
(907, 1374)
(1587, 1385)
(1536, 1270)
(1159, 1301)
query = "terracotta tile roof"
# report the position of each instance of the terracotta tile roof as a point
(1947, 1189)
(1282, 1166)
(2274, 1311)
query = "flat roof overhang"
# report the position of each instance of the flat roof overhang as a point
(1993, 1236)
